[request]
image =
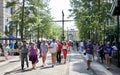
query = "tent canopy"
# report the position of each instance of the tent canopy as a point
(10, 37)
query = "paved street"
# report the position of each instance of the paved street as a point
(75, 66)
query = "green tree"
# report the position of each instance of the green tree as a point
(91, 17)
(36, 18)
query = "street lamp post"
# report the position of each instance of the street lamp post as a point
(63, 25)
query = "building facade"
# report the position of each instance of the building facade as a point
(5, 14)
(72, 35)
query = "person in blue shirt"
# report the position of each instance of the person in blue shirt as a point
(12, 48)
(89, 53)
(24, 54)
(108, 54)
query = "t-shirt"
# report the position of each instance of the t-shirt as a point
(69, 43)
(54, 49)
(90, 47)
(12, 45)
(59, 47)
(64, 47)
(44, 48)
(24, 49)
(6, 49)
(81, 44)
(114, 48)
(108, 50)
(101, 49)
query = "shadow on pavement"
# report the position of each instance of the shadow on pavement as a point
(2, 60)
(17, 71)
(78, 65)
(14, 61)
(46, 67)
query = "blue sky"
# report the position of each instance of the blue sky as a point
(56, 11)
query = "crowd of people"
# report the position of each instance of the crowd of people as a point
(59, 49)
(8, 49)
(102, 51)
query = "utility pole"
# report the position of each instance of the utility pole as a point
(118, 35)
(63, 26)
(22, 20)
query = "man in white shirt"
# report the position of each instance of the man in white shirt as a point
(81, 45)
(53, 49)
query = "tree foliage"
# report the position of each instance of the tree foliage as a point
(92, 18)
(36, 18)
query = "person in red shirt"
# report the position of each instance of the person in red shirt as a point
(59, 52)
(64, 49)
(70, 46)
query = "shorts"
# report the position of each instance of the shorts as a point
(107, 56)
(44, 54)
(89, 57)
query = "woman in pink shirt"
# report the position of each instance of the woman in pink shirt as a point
(64, 49)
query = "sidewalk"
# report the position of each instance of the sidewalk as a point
(3, 61)
(58, 69)
(76, 65)
(100, 69)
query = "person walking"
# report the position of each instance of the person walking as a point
(12, 48)
(81, 46)
(19, 50)
(64, 49)
(59, 52)
(101, 52)
(16, 48)
(97, 51)
(89, 53)
(44, 50)
(114, 47)
(38, 46)
(6, 48)
(33, 54)
(108, 54)
(53, 49)
(24, 54)
(1, 49)
(70, 46)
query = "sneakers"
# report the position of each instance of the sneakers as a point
(108, 68)
(52, 65)
(43, 65)
(87, 68)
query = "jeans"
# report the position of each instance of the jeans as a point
(24, 58)
(59, 57)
